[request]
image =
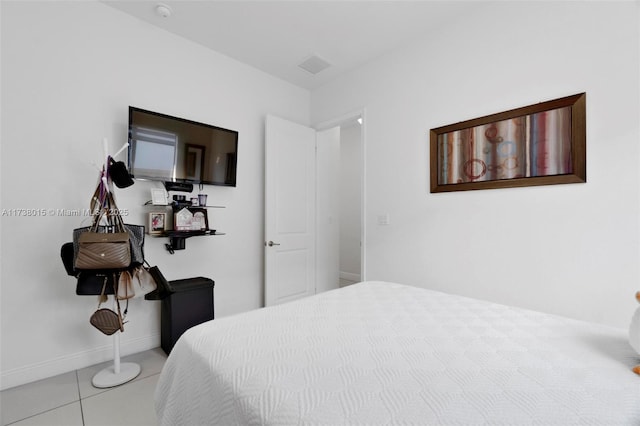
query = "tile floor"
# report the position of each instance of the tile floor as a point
(70, 399)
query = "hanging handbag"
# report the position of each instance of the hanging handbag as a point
(163, 288)
(103, 250)
(143, 281)
(125, 286)
(106, 320)
(95, 250)
(136, 240)
(89, 283)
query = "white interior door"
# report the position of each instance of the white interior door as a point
(290, 204)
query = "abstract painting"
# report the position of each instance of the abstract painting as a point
(541, 144)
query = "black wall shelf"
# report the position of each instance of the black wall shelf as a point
(177, 238)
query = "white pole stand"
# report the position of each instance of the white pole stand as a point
(119, 373)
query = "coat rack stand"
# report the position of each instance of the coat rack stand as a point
(120, 372)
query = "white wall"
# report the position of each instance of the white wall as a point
(566, 249)
(69, 72)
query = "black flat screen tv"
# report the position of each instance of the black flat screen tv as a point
(172, 149)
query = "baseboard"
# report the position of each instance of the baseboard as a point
(64, 364)
(349, 276)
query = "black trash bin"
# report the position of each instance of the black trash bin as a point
(185, 303)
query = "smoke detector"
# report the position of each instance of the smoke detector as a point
(314, 64)
(163, 10)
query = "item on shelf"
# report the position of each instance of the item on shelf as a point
(200, 221)
(158, 197)
(157, 223)
(182, 220)
(180, 202)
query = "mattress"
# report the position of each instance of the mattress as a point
(379, 353)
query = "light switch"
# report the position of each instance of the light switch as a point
(383, 219)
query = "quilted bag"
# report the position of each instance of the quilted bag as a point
(102, 250)
(112, 245)
(106, 320)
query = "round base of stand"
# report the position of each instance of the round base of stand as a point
(108, 378)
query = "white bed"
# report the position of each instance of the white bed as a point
(379, 353)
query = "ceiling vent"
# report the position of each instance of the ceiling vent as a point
(314, 64)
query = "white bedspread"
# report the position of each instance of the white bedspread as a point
(380, 353)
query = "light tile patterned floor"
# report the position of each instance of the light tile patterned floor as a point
(70, 399)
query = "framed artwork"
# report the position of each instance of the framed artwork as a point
(541, 144)
(157, 222)
(158, 197)
(200, 221)
(182, 220)
(194, 162)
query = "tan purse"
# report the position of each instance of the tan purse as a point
(125, 286)
(143, 281)
(106, 320)
(102, 250)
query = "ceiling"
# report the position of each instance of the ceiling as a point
(276, 36)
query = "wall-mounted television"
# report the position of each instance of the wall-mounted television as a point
(172, 149)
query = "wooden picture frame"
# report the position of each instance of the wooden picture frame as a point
(541, 144)
(158, 197)
(201, 216)
(157, 223)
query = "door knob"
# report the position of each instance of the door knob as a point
(271, 244)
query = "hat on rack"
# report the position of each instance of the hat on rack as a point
(119, 174)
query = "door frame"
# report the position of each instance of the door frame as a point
(337, 121)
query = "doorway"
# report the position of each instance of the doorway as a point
(350, 206)
(312, 237)
(340, 201)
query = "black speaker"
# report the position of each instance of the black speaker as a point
(179, 186)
